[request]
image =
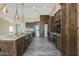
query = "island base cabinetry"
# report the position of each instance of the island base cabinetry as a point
(14, 47)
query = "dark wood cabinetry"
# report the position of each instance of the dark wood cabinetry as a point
(63, 33)
(29, 24)
(55, 29)
(50, 27)
(73, 29)
(69, 29)
(21, 45)
(66, 23)
(57, 24)
(15, 47)
(51, 24)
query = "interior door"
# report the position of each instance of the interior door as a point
(46, 30)
(37, 30)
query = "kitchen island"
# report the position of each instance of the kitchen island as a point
(13, 45)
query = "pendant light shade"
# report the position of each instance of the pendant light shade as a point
(22, 18)
(16, 16)
(4, 9)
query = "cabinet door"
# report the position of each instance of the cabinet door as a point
(73, 43)
(63, 33)
(73, 16)
(69, 29)
(72, 29)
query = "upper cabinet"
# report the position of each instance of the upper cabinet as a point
(57, 22)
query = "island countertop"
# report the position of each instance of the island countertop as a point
(14, 45)
(11, 37)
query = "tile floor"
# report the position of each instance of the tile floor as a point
(41, 47)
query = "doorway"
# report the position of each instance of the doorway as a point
(46, 30)
(37, 30)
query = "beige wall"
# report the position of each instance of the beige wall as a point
(4, 27)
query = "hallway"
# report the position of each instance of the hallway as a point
(41, 47)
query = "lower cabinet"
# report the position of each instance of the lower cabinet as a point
(59, 43)
(73, 45)
(21, 45)
(14, 47)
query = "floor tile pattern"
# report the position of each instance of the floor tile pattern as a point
(41, 47)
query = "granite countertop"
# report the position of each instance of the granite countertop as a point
(11, 37)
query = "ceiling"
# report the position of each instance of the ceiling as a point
(30, 10)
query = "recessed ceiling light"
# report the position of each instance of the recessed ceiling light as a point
(34, 7)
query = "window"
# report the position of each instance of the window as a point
(11, 29)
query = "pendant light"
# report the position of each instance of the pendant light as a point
(4, 9)
(16, 13)
(22, 18)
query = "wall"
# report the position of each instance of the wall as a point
(4, 26)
